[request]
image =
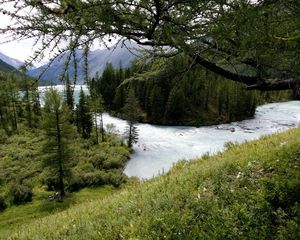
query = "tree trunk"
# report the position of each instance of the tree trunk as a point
(101, 127)
(130, 136)
(59, 155)
(96, 128)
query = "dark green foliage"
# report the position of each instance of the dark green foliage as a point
(59, 134)
(97, 178)
(69, 93)
(96, 105)
(108, 84)
(20, 193)
(19, 102)
(32, 110)
(5, 67)
(32, 156)
(3, 204)
(184, 95)
(84, 119)
(9, 102)
(175, 104)
(156, 103)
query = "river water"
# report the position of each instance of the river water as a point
(160, 147)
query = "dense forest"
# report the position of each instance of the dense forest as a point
(170, 92)
(52, 148)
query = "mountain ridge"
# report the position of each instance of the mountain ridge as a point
(11, 61)
(119, 56)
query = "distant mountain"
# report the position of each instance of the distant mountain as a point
(118, 56)
(11, 61)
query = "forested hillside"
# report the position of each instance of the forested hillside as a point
(5, 67)
(171, 92)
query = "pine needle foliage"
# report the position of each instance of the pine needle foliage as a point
(59, 134)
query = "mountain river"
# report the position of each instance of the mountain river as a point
(160, 147)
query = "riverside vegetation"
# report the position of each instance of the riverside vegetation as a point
(52, 148)
(250, 191)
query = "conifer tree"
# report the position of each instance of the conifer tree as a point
(69, 93)
(108, 84)
(58, 135)
(96, 106)
(175, 104)
(157, 103)
(84, 118)
(9, 99)
(131, 112)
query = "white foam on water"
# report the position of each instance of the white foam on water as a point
(159, 147)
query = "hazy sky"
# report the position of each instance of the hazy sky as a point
(19, 50)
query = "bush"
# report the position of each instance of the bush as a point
(51, 183)
(115, 178)
(2, 203)
(75, 183)
(93, 179)
(20, 193)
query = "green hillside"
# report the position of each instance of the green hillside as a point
(251, 191)
(5, 67)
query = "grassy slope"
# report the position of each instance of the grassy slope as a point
(248, 192)
(41, 207)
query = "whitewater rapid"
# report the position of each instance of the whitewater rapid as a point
(160, 147)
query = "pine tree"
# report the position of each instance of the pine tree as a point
(9, 101)
(69, 93)
(58, 134)
(84, 118)
(175, 105)
(157, 104)
(131, 112)
(96, 106)
(108, 85)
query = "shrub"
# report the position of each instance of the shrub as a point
(93, 179)
(51, 183)
(75, 183)
(2, 203)
(20, 193)
(115, 178)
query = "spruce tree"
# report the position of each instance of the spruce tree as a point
(131, 112)
(157, 104)
(58, 134)
(96, 107)
(9, 100)
(84, 119)
(69, 93)
(175, 105)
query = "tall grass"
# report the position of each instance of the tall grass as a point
(251, 191)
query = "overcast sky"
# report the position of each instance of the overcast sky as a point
(19, 50)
